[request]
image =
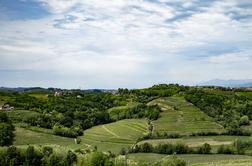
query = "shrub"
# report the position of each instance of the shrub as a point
(181, 148)
(204, 149)
(161, 148)
(70, 158)
(244, 120)
(123, 151)
(146, 147)
(173, 161)
(66, 132)
(47, 151)
(32, 157)
(78, 140)
(225, 150)
(99, 159)
(165, 149)
(206, 133)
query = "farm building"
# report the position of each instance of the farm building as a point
(6, 107)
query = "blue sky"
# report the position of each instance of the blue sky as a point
(123, 43)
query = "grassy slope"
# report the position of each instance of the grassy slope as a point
(217, 160)
(115, 135)
(26, 137)
(108, 137)
(18, 115)
(179, 116)
(192, 159)
(199, 140)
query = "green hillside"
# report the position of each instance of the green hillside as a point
(195, 159)
(180, 116)
(114, 136)
(133, 126)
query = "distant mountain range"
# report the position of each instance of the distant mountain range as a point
(48, 90)
(228, 83)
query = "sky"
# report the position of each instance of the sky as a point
(123, 43)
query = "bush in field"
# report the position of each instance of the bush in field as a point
(70, 158)
(244, 120)
(99, 159)
(146, 147)
(204, 149)
(47, 151)
(67, 132)
(173, 161)
(123, 151)
(78, 140)
(225, 150)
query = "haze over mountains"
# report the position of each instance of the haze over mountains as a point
(215, 82)
(228, 83)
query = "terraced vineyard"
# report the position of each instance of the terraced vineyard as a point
(179, 116)
(114, 136)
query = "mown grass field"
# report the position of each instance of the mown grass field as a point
(217, 160)
(194, 159)
(18, 115)
(25, 137)
(199, 140)
(114, 136)
(180, 116)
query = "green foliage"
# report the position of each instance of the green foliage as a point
(70, 158)
(78, 140)
(47, 151)
(100, 159)
(34, 157)
(72, 132)
(205, 149)
(227, 107)
(135, 111)
(173, 161)
(187, 119)
(6, 130)
(123, 151)
(167, 148)
(244, 120)
(224, 149)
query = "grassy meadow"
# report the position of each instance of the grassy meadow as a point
(194, 159)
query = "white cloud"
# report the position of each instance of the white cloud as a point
(230, 58)
(130, 39)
